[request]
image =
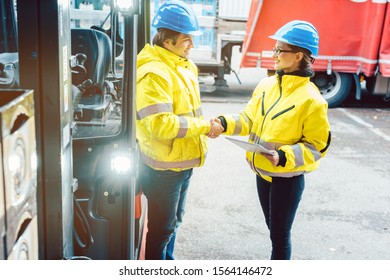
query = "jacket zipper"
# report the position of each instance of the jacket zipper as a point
(272, 106)
(262, 104)
(265, 116)
(282, 112)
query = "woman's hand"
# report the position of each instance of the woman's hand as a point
(274, 158)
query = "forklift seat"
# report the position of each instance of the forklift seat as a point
(94, 47)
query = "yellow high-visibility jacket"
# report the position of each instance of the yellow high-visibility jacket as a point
(170, 124)
(285, 113)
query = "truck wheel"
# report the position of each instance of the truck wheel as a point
(334, 88)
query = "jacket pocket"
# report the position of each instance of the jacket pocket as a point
(282, 112)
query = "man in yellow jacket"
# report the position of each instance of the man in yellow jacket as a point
(171, 130)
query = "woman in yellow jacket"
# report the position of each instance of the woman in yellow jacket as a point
(171, 130)
(287, 115)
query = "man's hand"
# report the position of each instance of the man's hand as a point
(215, 128)
(217, 120)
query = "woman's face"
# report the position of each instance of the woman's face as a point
(285, 58)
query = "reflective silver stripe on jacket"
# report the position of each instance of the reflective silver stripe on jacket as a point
(154, 109)
(238, 124)
(275, 174)
(164, 108)
(247, 119)
(317, 155)
(269, 145)
(170, 165)
(296, 149)
(183, 127)
(184, 123)
(298, 155)
(198, 113)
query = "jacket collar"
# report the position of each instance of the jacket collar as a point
(170, 58)
(308, 72)
(290, 81)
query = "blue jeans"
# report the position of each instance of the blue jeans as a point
(166, 192)
(279, 201)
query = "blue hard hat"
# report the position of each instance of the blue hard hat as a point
(178, 16)
(299, 33)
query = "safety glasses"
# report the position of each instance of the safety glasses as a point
(277, 51)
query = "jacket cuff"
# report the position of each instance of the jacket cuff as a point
(282, 158)
(223, 122)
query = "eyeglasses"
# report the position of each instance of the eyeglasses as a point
(277, 51)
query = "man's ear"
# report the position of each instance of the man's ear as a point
(167, 42)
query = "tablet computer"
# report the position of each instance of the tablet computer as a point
(250, 147)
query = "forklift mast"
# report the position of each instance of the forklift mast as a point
(79, 68)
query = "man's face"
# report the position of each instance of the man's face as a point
(182, 47)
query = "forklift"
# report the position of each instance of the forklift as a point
(68, 90)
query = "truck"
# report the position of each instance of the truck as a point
(68, 171)
(223, 24)
(354, 45)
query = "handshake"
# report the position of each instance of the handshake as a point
(216, 128)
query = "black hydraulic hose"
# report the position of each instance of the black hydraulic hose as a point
(231, 69)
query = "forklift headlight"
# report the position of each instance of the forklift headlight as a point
(121, 164)
(127, 7)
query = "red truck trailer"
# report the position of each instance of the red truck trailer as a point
(354, 42)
